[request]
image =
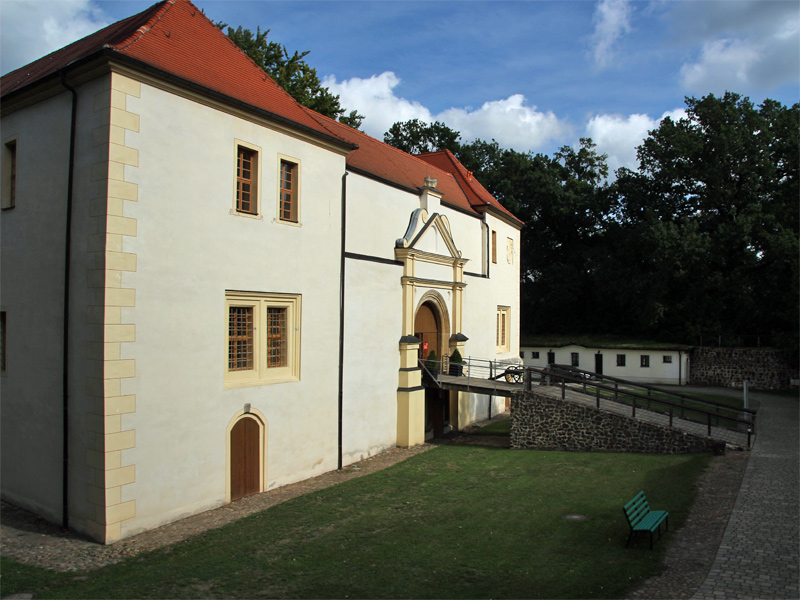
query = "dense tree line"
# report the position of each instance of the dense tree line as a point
(700, 240)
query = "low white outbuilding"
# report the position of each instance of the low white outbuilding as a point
(639, 363)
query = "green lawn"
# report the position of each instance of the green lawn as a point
(453, 522)
(499, 427)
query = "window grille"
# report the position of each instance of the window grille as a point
(276, 337)
(240, 338)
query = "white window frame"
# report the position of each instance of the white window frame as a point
(261, 374)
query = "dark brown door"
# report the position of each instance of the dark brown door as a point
(245, 459)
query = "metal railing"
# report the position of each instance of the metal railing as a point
(483, 376)
(636, 395)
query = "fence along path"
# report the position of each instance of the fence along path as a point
(570, 384)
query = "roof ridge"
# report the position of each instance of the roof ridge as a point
(142, 29)
(358, 132)
(469, 176)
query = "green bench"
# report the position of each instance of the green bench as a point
(641, 518)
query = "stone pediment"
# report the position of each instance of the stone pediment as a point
(430, 234)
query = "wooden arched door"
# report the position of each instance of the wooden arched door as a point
(427, 330)
(245, 458)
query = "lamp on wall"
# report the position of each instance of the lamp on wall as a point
(247, 408)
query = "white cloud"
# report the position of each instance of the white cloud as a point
(612, 21)
(510, 121)
(619, 136)
(375, 99)
(743, 46)
(32, 29)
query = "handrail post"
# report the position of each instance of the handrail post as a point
(633, 414)
(563, 388)
(616, 391)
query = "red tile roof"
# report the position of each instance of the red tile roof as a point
(477, 195)
(177, 39)
(386, 162)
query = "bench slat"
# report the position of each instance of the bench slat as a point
(642, 518)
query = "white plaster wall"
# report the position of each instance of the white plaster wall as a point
(190, 250)
(468, 233)
(658, 372)
(373, 327)
(482, 296)
(31, 293)
(377, 215)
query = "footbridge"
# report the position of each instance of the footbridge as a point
(669, 408)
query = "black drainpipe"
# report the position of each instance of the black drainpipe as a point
(65, 362)
(341, 313)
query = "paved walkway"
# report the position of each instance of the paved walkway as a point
(759, 556)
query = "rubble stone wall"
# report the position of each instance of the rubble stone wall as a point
(540, 422)
(762, 368)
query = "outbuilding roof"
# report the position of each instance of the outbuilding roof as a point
(175, 40)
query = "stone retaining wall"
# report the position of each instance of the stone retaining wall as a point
(762, 368)
(540, 422)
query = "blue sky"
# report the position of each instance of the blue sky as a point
(534, 75)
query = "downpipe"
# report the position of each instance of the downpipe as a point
(65, 324)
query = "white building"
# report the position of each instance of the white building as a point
(209, 291)
(656, 364)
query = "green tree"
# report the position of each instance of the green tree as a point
(292, 73)
(711, 222)
(418, 137)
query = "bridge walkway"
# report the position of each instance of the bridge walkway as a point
(492, 381)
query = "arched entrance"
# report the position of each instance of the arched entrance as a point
(431, 327)
(245, 457)
(428, 331)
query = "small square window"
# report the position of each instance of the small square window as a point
(620, 360)
(645, 358)
(534, 354)
(522, 354)
(667, 359)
